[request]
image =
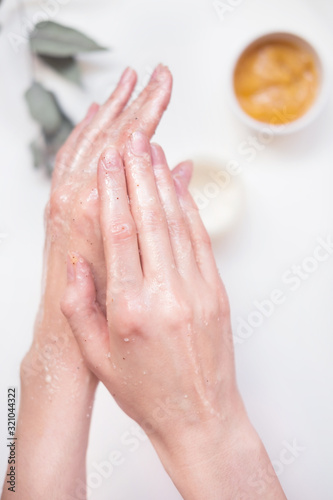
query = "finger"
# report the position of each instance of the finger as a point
(88, 323)
(107, 113)
(92, 110)
(200, 239)
(177, 225)
(117, 225)
(183, 173)
(146, 111)
(65, 154)
(118, 99)
(148, 213)
(160, 76)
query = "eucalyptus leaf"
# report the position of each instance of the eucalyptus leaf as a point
(52, 39)
(45, 148)
(66, 66)
(55, 125)
(44, 108)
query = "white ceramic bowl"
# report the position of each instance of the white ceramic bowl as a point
(218, 193)
(317, 105)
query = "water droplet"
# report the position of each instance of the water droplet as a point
(185, 396)
(109, 354)
(126, 340)
(48, 379)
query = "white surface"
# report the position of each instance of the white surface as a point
(285, 368)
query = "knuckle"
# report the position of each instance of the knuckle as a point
(87, 205)
(152, 218)
(57, 204)
(72, 303)
(179, 315)
(176, 226)
(185, 313)
(129, 317)
(216, 305)
(67, 306)
(122, 230)
(90, 137)
(128, 325)
(142, 165)
(202, 239)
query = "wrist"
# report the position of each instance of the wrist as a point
(53, 428)
(221, 458)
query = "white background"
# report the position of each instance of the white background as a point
(285, 368)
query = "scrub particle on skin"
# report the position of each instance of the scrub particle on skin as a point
(276, 81)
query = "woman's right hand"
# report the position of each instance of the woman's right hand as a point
(164, 346)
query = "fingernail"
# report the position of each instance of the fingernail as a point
(158, 71)
(155, 72)
(181, 172)
(157, 156)
(139, 143)
(72, 260)
(111, 159)
(185, 172)
(180, 189)
(126, 76)
(182, 177)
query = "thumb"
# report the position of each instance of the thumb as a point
(83, 313)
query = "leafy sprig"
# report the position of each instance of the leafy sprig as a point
(56, 46)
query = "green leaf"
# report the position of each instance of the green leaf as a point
(55, 125)
(52, 39)
(45, 148)
(66, 66)
(54, 143)
(44, 108)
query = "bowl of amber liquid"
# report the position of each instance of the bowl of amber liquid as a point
(279, 82)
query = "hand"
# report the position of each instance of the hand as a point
(163, 347)
(72, 216)
(167, 310)
(57, 387)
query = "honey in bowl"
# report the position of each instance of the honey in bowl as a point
(276, 81)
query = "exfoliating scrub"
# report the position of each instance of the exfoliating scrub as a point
(276, 81)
